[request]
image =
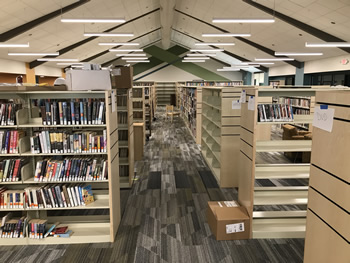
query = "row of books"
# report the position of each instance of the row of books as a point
(124, 170)
(123, 135)
(9, 141)
(300, 111)
(137, 92)
(11, 199)
(54, 141)
(275, 112)
(71, 169)
(73, 112)
(296, 102)
(10, 170)
(138, 115)
(12, 227)
(8, 113)
(140, 84)
(123, 152)
(137, 105)
(122, 100)
(122, 117)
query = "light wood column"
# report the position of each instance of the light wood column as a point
(30, 74)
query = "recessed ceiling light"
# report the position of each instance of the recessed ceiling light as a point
(108, 34)
(240, 20)
(125, 50)
(328, 44)
(194, 61)
(225, 35)
(13, 45)
(194, 58)
(297, 54)
(207, 50)
(134, 58)
(214, 44)
(131, 55)
(118, 44)
(274, 59)
(58, 59)
(34, 54)
(92, 20)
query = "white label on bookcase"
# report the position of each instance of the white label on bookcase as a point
(251, 103)
(236, 105)
(235, 228)
(116, 72)
(113, 100)
(243, 98)
(323, 118)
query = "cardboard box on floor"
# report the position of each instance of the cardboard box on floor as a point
(122, 77)
(226, 222)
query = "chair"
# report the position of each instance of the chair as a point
(169, 111)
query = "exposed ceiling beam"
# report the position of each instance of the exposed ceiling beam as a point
(296, 23)
(249, 42)
(36, 63)
(117, 58)
(262, 68)
(27, 26)
(166, 20)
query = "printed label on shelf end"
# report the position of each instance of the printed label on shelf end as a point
(114, 103)
(251, 103)
(243, 98)
(235, 228)
(236, 105)
(323, 118)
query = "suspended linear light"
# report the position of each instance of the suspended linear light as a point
(118, 44)
(207, 50)
(134, 58)
(68, 63)
(200, 55)
(242, 66)
(328, 44)
(297, 54)
(34, 54)
(13, 45)
(77, 66)
(137, 61)
(214, 44)
(195, 58)
(240, 20)
(194, 61)
(125, 50)
(108, 34)
(274, 59)
(58, 59)
(225, 35)
(228, 69)
(258, 63)
(92, 20)
(131, 55)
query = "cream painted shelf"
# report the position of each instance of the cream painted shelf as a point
(282, 197)
(284, 146)
(282, 171)
(280, 214)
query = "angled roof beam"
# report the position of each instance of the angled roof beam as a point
(302, 26)
(27, 26)
(262, 68)
(35, 63)
(271, 52)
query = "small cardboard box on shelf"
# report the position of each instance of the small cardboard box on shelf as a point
(122, 77)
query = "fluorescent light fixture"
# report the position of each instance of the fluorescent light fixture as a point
(274, 59)
(228, 69)
(125, 50)
(240, 20)
(137, 61)
(34, 54)
(297, 54)
(207, 50)
(131, 55)
(77, 66)
(118, 44)
(194, 58)
(92, 20)
(108, 34)
(13, 45)
(58, 59)
(68, 63)
(214, 44)
(226, 35)
(194, 61)
(134, 58)
(328, 44)
(242, 66)
(258, 63)
(200, 55)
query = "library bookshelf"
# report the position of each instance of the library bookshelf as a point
(165, 92)
(328, 213)
(139, 112)
(221, 131)
(126, 137)
(214, 83)
(87, 228)
(260, 199)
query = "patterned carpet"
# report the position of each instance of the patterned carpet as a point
(165, 215)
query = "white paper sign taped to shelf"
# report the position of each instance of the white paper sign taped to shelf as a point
(235, 228)
(243, 98)
(236, 105)
(251, 103)
(116, 72)
(323, 118)
(113, 96)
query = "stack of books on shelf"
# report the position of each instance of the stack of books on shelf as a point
(137, 105)
(122, 100)
(54, 141)
(123, 152)
(13, 227)
(275, 112)
(8, 113)
(9, 141)
(73, 112)
(10, 170)
(137, 93)
(71, 169)
(122, 117)
(123, 135)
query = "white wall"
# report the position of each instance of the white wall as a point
(168, 74)
(326, 65)
(48, 71)
(259, 77)
(282, 70)
(11, 66)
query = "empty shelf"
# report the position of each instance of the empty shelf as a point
(282, 171)
(279, 214)
(279, 228)
(284, 146)
(281, 188)
(280, 197)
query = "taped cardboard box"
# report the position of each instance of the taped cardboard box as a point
(227, 221)
(122, 77)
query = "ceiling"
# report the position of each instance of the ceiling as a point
(330, 16)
